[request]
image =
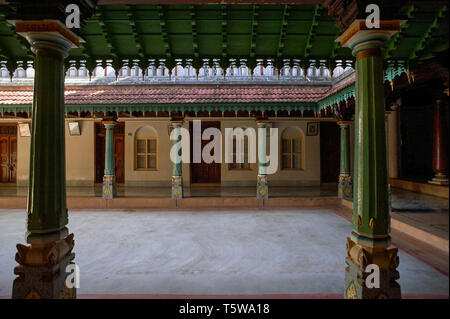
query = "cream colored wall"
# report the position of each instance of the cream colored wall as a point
(162, 176)
(238, 177)
(310, 175)
(80, 154)
(23, 157)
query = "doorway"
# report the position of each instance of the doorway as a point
(8, 153)
(204, 173)
(329, 152)
(119, 152)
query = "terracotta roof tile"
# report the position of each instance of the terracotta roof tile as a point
(176, 94)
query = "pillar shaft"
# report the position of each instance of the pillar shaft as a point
(370, 216)
(47, 211)
(345, 180)
(262, 186)
(177, 171)
(440, 144)
(345, 149)
(42, 269)
(370, 238)
(392, 143)
(109, 150)
(109, 179)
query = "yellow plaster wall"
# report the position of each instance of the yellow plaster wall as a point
(310, 175)
(23, 157)
(162, 176)
(79, 156)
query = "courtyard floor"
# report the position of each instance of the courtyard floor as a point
(286, 253)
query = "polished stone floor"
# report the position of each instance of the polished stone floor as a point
(428, 213)
(213, 252)
(425, 212)
(197, 191)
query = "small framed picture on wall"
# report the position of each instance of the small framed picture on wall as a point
(312, 129)
(24, 130)
(74, 129)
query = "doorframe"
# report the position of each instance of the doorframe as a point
(96, 125)
(14, 124)
(202, 184)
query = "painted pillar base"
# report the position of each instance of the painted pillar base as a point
(177, 187)
(262, 188)
(440, 179)
(109, 187)
(345, 187)
(42, 267)
(358, 258)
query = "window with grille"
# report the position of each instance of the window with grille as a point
(236, 152)
(146, 153)
(291, 153)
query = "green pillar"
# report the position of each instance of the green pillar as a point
(262, 186)
(109, 179)
(50, 250)
(177, 172)
(345, 188)
(370, 238)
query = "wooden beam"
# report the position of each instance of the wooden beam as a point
(253, 34)
(283, 30)
(105, 32)
(334, 48)
(23, 44)
(194, 31)
(396, 38)
(312, 31)
(224, 14)
(428, 34)
(101, 2)
(137, 39)
(164, 33)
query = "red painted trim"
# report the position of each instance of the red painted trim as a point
(281, 296)
(410, 252)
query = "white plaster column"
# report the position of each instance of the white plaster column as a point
(392, 139)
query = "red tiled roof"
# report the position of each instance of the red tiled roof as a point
(339, 87)
(174, 94)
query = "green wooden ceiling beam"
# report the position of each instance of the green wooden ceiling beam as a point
(249, 31)
(4, 53)
(99, 15)
(254, 31)
(312, 31)
(428, 34)
(165, 36)
(21, 41)
(396, 38)
(224, 63)
(283, 30)
(194, 32)
(137, 39)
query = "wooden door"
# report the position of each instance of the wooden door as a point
(12, 158)
(119, 158)
(8, 153)
(119, 152)
(4, 159)
(204, 172)
(329, 152)
(99, 155)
